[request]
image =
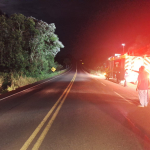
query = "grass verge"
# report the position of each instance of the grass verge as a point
(23, 80)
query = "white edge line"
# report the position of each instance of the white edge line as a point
(32, 86)
(123, 97)
(103, 84)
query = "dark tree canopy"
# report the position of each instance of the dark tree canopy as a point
(27, 45)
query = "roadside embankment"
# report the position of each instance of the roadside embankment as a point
(22, 81)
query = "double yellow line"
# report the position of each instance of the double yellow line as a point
(60, 101)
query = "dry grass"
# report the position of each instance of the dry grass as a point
(22, 81)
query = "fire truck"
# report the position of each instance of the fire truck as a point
(126, 68)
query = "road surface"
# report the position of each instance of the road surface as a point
(74, 111)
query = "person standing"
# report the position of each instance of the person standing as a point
(142, 86)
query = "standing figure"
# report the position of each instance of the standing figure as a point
(124, 77)
(142, 86)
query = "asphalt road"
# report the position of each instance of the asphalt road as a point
(74, 111)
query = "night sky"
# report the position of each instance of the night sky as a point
(96, 28)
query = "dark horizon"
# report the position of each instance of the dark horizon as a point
(94, 28)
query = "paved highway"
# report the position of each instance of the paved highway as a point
(74, 111)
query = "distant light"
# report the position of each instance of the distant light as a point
(117, 54)
(123, 44)
(125, 55)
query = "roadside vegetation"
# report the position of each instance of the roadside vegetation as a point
(94, 70)
(28, 50)
(21, 81)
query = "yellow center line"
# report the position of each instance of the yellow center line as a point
(41, 138)
(36, 131)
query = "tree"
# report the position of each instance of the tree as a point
(45, 45)
(27, 46)
(67, 62)
(15, 32)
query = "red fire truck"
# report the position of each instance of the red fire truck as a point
(125, 67)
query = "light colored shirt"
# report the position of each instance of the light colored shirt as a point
(143, 81)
